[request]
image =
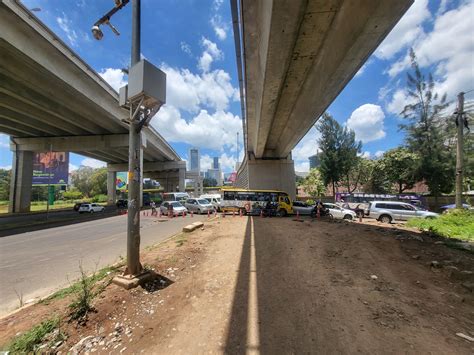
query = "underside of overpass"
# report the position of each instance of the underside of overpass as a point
(294, 58)
(50, 99)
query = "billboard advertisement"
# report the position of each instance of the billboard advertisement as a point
(50, 168)
(121, 181)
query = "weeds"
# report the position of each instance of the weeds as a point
(75, 287)
(19, 295)
(457, 224)
(84, 296)
(28, 341)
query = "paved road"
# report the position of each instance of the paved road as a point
(36, 263)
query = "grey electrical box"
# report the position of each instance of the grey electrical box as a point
(123, 96)
(147, 81)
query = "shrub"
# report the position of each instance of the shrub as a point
(454, 224)
(72, 194)
(310, 202)
(27, 342)
(99, 198)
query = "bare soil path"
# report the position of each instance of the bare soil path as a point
(277, 286)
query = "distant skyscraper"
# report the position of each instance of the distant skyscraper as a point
(194, 160)
(314, 161)
(215, 164)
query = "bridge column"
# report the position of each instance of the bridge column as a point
(111, 187)
(182, 180)
(21, 180)
(272, 175)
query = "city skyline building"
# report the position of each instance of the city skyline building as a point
(194, 160)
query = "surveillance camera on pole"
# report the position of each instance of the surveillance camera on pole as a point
(143, 97)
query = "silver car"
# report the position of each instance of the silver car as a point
(388, 211)
(302, 208)
(175, 206)
(198, 205)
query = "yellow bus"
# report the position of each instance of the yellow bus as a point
(253, 201)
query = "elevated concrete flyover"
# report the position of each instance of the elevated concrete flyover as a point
(294, 58)
(51, 99)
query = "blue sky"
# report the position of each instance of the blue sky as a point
(192, 41)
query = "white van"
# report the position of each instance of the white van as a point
(175, 196)
(214, 199)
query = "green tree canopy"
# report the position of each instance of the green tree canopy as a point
(5, 176)
(209, 182)
(313, 184)
(339, 151)
(424, 131)
(401, 168)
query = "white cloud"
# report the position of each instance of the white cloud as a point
(379, 153)
(205, 130)
(216, 4)
(6, 167)
(365, 155)
(72, 167)
(65, 24)
(206, 162)
(367, 123)
(4, 141)
(186, 48)
(115, 77)
(407, 30)
(398, 102)
(210, 54)
(93, 163)
(188, 91)
(302, 167)
(307, 147)
(448, 50)
(220, 28)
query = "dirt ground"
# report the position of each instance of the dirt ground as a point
(278, 286)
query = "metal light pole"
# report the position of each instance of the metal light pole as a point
(134, 155)
(459, 149)
(143, 96)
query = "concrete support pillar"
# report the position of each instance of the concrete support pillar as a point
(21, 180)
(111, 187)
(182, 180)
(273, 175)
(141, 176)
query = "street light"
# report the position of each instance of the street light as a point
(143, 96)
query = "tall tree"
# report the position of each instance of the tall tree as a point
(209, 182)
(5, 176)
(98, 182)
(359, 174)
(313, 184)
(401, 168)
(339, 150)
(376, 181)
(424, 131)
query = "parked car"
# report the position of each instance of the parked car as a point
(388, 211)
(302, 208)
(91, 208)
(214, 199)
(198, 205)
(176, 207)
(340, 213)
(77, 205)
(358, 209)
(446, 208)
(121, 204)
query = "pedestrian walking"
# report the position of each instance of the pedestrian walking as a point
(153, 208)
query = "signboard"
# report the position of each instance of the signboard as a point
(50, 168)
(121, 181)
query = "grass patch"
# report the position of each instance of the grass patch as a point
(457, 224)
(28, 341)
(76, 287)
